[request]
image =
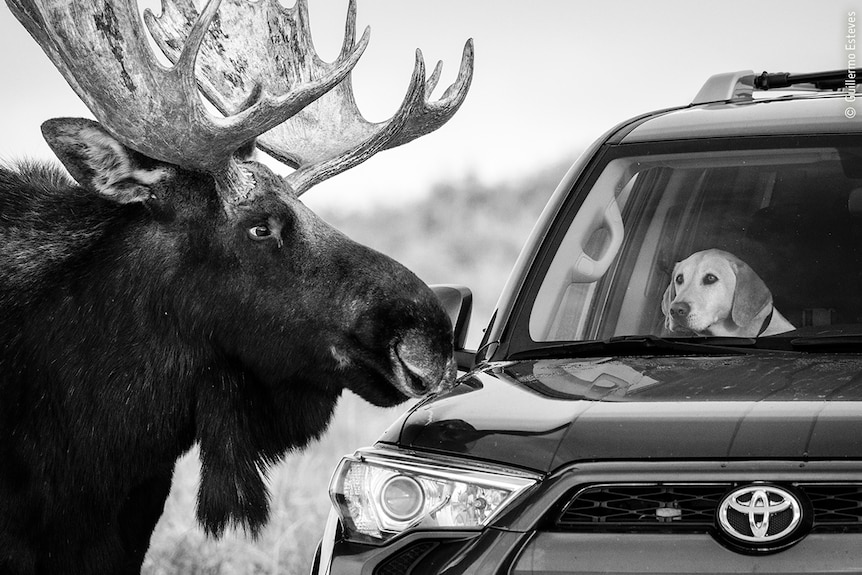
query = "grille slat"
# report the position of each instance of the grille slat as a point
(660, 506)
(402, 563)
(836, 504)
(666, 507)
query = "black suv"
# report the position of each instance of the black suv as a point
(672, 381)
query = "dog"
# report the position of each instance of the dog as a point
(713, 292)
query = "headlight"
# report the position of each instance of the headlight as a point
(381, 493)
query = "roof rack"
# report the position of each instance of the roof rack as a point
(834, 80)
(742, 84)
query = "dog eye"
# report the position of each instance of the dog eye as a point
(679, 279)
(709, 279)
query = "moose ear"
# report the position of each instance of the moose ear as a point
(99, 162)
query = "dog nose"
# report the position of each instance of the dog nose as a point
(680, 309)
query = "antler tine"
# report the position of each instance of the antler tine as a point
(434, 114)
(236, 59)
(432, 81)
(330, 135)
(336, 159)
(100, 48)
(416, 117)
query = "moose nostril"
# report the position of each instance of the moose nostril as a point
(428, 369)
(680, 309)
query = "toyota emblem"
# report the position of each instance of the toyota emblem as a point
(758, 514)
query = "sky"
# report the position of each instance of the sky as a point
(550, 76)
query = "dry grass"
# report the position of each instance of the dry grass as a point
(299, 506)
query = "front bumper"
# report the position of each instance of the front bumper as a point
(556, 553)
(499, 552)
(418, 553)
(525, 540)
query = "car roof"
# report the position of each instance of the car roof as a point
(729, 105)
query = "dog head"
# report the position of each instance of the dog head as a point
(713, 292)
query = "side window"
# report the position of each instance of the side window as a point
(584, 257)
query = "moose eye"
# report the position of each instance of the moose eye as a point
(679, 279)
(259, 232)
(709, 279)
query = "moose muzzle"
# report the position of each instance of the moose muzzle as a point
(416, 370)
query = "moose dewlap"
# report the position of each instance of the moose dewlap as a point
(174, 291)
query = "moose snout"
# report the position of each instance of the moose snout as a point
(419, 367)
(680, 310)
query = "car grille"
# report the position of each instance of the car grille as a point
(663, 507)
(403, 562)
(836, 505)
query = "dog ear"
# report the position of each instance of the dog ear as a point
(669, 295)
(667, 299)
(751, 295)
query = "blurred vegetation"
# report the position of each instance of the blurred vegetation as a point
(463, 232)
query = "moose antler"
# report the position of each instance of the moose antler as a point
(329, 135)
(100, 48)
(271, 85)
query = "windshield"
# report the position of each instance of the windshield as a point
(741, 243)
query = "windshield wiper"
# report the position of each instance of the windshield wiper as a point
(647, 345)
(849, 343)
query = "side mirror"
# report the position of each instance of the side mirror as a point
(457, 300)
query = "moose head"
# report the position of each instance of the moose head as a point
(181, 292)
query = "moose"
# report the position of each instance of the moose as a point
(175, 291)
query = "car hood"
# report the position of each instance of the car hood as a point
(544, 414)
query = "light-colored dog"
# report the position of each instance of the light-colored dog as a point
(713, 292)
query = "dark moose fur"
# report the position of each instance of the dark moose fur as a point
(130, 331)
